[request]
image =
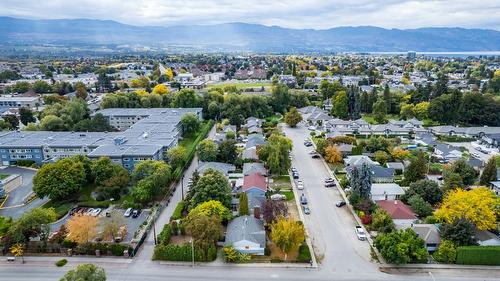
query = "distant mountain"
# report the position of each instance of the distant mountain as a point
(246, 37)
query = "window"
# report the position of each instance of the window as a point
(126, 165)
(2, 150)
(126, 159)
(4, 156)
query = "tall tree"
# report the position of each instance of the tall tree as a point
(401, 247)
(280, 98)
(227, 152)
(26, 116)
(30, 224)
(82, 228)
(287, 235)
(207, 150)
(243, 204)
(479, 206)
(429, 191)
(211, 186)
(461, 232)
(489, 173)
(361, 181)
(416, 170)
(205, 230)
(380, 110)
(293, 117)
(340, 107)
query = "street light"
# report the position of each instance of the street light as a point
(192, 250)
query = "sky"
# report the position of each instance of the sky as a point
(317, 14)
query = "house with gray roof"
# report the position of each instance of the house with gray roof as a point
(246, 235)
(358, 161)
(430, 234)
(386, 191)
(252, 168)
(223, 168)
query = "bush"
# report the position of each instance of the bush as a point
(117, 249)
(478, 255)
(62, 262)
(231, 255)
(178, 211)
(114, 249)
(164, 236)
(446, 253)
(25, 163)
(304, 254)
(68, 244)
(176, 253)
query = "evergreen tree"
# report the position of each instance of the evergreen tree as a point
(361, 181)
(243, 204)
(489, 173)
(416, 170)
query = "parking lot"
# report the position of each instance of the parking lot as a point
(132, 223)
(14, 206)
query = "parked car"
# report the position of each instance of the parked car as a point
(440, 178)
(360, 233)
(128, 212)
(315, 156)
(327, 180)
(330, 184)
(307, 211)
(96, 212)
(303, 199)
(278, 197)
(340, 203)
(311, 128)
(295, 175)
(300, 185)
(136, 213)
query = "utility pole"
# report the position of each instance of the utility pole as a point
(192, 250)
(182, 187)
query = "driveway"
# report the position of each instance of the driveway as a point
(14, 207)
(331, 229)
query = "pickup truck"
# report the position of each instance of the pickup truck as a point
(360, 233)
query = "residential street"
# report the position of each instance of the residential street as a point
(331, 229)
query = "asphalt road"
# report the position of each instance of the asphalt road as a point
(331, 229)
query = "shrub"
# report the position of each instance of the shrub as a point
(304, 253)
(25, 163)
(61, 262)
(446, 253)
(178, 211)
(231, 255)
(68, 244)
(117, 249)
(478, 255)
(177, 253)
(366, 219)
(164, 236)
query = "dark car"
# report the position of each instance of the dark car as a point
(295, 175)
(330, 184)
(340, 204)
(136, 213)
(303, 199)
(315, 156)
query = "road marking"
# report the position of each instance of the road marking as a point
(275, 276)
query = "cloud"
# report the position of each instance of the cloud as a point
(318, 14)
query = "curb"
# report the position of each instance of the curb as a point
(493, 270)
(236, 265)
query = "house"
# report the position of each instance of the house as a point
(382, 175)
(345, 149)
(255, 186)
(223, 168)
(255, 140)
(359, 160)
(430, 234)
(250, 153)
(486, 238)
(446, 152)
(252, 168)
(401, 214)
(246, 235)
(386, 191)
(397, 166)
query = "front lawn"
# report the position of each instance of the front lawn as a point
(4, 176)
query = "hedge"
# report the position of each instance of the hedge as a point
(178, 211)
(478, 255)
(113, 249)
(304, 253)
(164, 236)
(62, 262)
(183, 253)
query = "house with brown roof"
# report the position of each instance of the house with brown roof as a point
(401, 214)
(255, 186)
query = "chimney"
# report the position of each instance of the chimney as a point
(256, 212)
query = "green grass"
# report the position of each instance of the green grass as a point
(289, 195)
(61, 209)
(241, 85)
(281, 179)
(4, 176)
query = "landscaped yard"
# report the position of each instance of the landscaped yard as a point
(4, 176)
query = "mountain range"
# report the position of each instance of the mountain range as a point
(245, 37)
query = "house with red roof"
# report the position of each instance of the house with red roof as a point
(401, 214)
(255, 186)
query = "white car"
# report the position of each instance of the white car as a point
(278, 197)
(128, 212)
(300, 185)
(95, 212)
(311, 128)
(360, 233)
